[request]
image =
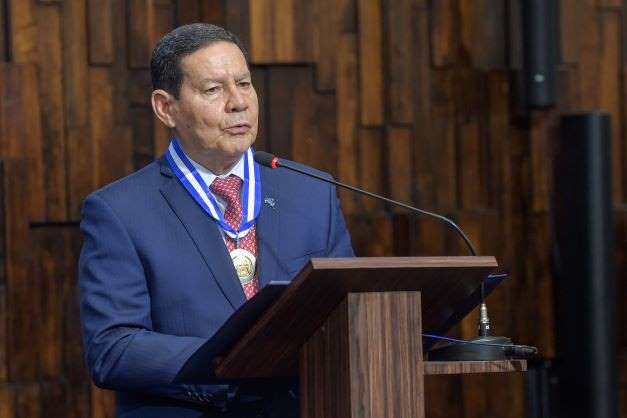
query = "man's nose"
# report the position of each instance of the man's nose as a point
(237, 101)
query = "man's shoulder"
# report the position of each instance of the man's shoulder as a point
(142, 182)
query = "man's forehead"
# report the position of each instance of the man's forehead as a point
(218, 56)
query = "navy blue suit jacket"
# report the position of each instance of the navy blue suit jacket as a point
(156, 279)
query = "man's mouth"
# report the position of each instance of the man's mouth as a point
(238, 129)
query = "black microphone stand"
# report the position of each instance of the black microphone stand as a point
(484, 347)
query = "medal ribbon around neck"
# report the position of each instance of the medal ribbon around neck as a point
(198, 189)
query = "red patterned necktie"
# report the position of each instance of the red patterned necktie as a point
(229, 189)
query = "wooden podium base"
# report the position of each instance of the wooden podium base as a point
(361, 363)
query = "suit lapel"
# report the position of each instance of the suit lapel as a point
(205, 233)
(268, 228)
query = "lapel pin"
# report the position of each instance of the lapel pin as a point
(270, 201)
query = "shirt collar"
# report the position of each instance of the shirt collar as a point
(208, 176)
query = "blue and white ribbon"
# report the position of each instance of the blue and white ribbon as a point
(199, 190)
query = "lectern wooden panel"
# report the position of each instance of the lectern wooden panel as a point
(449, 287)
(352, 329)
(364, 361)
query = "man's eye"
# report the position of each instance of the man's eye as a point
(244, 83)
(213, 89)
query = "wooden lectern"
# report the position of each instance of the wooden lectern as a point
(351, 329)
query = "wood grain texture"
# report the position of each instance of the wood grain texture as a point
(324, 282)
(444, 34)
(370, 24)
(261, 31)
(19, 108)
(347, 99)
(100, 26)
(22, 285)
(399, 49)
(327, 34)
(52, 105)
(463, 367)
(441, 76)
(141, 18)
(399, 143)
(372, 338)
(23, 31)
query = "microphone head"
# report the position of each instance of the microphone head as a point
(266, 159)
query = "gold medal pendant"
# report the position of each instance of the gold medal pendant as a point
(244, 262)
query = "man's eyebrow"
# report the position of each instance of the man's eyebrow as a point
(221, 79)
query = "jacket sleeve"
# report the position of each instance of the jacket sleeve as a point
(121, 349)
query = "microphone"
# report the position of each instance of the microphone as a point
(268, 160)
(271, 161)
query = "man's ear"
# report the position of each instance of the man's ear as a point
(163, 104)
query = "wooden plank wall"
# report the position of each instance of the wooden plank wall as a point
(414, 99)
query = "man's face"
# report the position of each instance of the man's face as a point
(216, 115)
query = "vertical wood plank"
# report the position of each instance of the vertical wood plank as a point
(371, 62)
(81, 169)
(27, 401)
(213, 11)
(471, 185)
(102, 403)
(326, 32)
(56, 261)
(569, 31)
(4, 32)
(313, 138)
(400, 69)
(238, 19)
(444, 33)
(162, 22)
(23, 31)
(54, 398)
(22, 285)
(140, 25)
(19, 107)
(261, 31)
(75, 63)
(442, 153)
(482, 33)
(282, 82)
(373, 236)
(589, 54)
(424, 189)
(371, 167)
(4, 338)
(6, 401)
(260, 81)
(50, 92)
(100, 24)
(187, 11)
(141, 145)
(284, 25)
(610, 96)
(347, 97)
(540, 172)
(399, 164)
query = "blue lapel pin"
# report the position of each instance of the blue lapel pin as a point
(270, 201)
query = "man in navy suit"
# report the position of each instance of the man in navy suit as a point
(171, 251)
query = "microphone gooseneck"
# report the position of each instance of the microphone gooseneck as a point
(269, 160)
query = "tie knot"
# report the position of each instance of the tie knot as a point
(228, 188)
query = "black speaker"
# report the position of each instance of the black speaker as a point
(584, 267)
(539, 52)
